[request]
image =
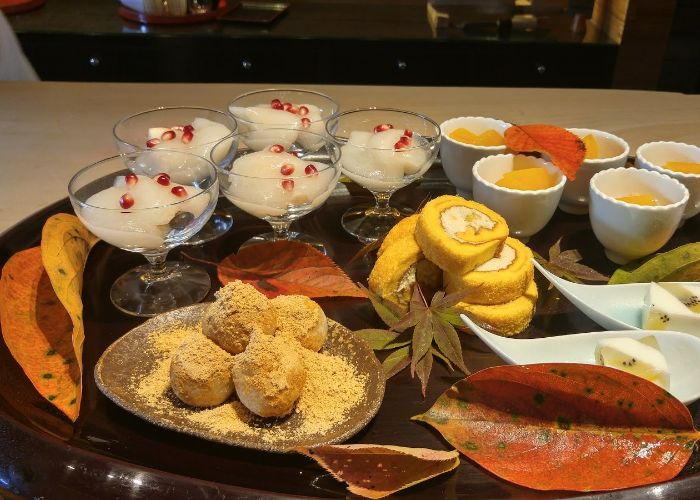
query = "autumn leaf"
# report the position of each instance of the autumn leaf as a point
(680, 264)
(387, 311)
(565, 426)
(396, 361)
(567, 265)
(565, 150)
(38, 331)
(376, 471)
(379, 339)
(288, 268)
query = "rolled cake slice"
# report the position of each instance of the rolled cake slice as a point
(506, 319)
(398, 268)
(405, 227)
(458, 234)
(501, 279)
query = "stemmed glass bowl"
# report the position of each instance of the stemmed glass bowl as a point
(280, 182)
(383, 150)
(149, 202)
(190, 128)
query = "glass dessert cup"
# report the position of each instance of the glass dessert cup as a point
(164, 128)
(280, 183)
(149, 202)
(383, 150)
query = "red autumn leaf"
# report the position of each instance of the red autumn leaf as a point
(38, 331)
(376, 471)
(565, 149)
(288, 268)
(565, 426)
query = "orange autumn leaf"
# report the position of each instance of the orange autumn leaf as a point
(564, 149)
(562, 426)
(376, 471)
(38, 331)
(288, 268)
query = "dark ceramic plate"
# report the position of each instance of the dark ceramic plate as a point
(132, 360)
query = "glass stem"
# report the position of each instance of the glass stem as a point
(382, 202)
(280, 230)
(156, 269)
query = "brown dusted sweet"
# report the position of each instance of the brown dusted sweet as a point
(200, 372)
(238, 312)
(301, 318)
(269, 375)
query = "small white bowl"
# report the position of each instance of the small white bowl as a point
(458, 158)
(629, 231)
(525, 211)
(654, 155)
(613, 153)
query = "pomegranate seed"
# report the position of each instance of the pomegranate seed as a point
(163, 179)
(311, 170)
(408, 132)
(168, 135)
(287, 106)
(405, 139)
(276, 104)
(288, 184)
(187, 136)
(298, 154)
(293, 110)
(382, 127)
(305, 122)
(287, 169)
(277, 148)
(152, 143)
(303, 110)
(126, 201)
(400, 145)
(179, 191)
(188, 128)
(131, 179)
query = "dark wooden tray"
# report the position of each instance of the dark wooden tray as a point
(111, 453)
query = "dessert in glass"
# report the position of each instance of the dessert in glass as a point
(190, 128)
(285, 111)
(383, 150)
(149, 202)
(281, 183)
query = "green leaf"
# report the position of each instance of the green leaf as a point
(680, 264)
(450, 316)
(387, 311)
(423, 369)
(379, 339)
(447, 341)
(422, 340)
(396, 361)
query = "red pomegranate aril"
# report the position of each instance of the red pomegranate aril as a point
(305, 122)
(179, 191)
(188, 128)
(288, 184)
(163, 179)
(152, 143)
(277, 148)
(168, 135)
(408, 132)
(401, 145)
(126, 201)
(382, 127)
(187, 136)
(287, 169)
(131, 179)
(311, 170)
(287, 106)
(293, 110)
(303, 110)
(276, 104)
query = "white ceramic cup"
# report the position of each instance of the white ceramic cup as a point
(458, 158)
(612, 151)
(525, 211)
(629, 231)
(654, 155)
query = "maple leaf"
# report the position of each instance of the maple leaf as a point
(433, 334)
(566, 264)
(566, 150)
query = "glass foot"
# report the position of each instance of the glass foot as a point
(218, 224)
(368, 224)
(293, 236)
(138, 292)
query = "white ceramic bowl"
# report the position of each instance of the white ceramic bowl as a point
(613, 153)
(654, 155)
(629, 231)
(458, 158)
(525, 211)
